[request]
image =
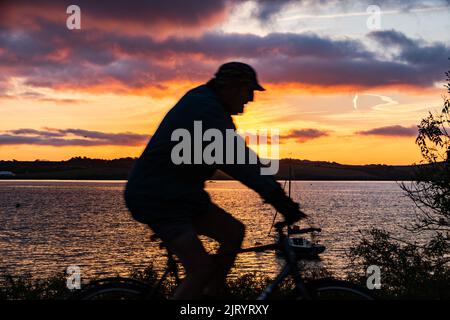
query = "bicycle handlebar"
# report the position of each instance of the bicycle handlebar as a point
(306, 230)
(280, 225)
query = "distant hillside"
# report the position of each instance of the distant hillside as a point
(320, 170)
(97, 169)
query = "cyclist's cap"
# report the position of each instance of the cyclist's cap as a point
(238, 71)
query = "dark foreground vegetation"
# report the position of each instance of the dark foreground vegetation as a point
(245, 287)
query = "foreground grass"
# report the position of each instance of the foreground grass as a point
(408, 271)
(401, 279)
(245, 287)
(26, 288)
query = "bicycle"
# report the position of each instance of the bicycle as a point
(320, 289)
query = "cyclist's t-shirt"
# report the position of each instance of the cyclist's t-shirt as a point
(158, 188)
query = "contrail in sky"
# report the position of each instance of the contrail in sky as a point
(358, 14)
(355, 102)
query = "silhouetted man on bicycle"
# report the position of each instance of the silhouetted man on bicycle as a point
(170, 197)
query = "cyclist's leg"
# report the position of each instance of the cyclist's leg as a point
(173, 225)
(229, 232)
(197, 263)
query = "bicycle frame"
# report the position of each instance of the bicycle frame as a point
(317, 289)
(290, 268)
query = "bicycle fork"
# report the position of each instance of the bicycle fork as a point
(289, 268)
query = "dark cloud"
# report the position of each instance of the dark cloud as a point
(117, 14)
(102, 48)
(222, 46)
(34, 132)
(392, 38)
(303, 135)
(426, 58)
(357, 73)
(303, 58)
(414, 52)
(37, 96)
(52, 56)
(393, 131)
(70, 137)
(177, 14)
(266, 9)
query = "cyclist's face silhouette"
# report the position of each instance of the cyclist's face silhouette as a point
(238, 98)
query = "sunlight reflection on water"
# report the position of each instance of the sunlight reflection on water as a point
(85, 223)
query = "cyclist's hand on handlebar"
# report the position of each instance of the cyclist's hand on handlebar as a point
(286, 206)
(292, 218)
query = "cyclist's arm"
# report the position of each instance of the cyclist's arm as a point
(249, 174)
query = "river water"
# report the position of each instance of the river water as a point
(45, 226)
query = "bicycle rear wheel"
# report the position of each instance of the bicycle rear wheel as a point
(329, 289)
(114, 289)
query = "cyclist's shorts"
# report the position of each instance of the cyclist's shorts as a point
(169, 230)
(168, 220)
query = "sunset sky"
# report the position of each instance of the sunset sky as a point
(336, 89)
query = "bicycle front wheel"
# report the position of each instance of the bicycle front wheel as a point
(329, 289)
